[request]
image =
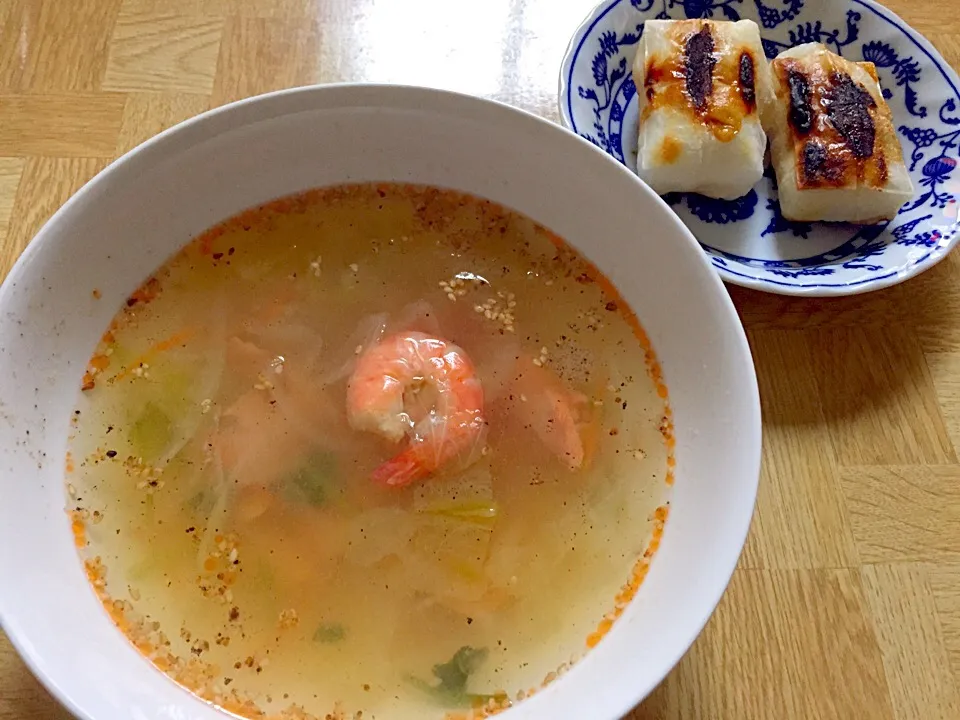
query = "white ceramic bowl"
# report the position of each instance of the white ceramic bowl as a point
(133, 215)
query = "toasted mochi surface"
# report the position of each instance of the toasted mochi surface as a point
(833, 144)
(701, 86)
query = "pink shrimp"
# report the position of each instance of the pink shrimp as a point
(413, 384)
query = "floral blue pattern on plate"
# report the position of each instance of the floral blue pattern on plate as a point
(748, 240)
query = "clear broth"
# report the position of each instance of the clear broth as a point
(287, 583)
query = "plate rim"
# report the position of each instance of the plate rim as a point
(894, 276)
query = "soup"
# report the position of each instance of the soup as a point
(379, 451)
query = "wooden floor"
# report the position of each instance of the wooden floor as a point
(847, 601)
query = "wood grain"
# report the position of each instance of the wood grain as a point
(53, 55)
(904, 513)
(74, 125)
(846, 604)
(10, 171)
(911, 642)
(146, 114)
(45, 185)
(879, 401)
(163, 52)
(782, 644)
(21, 696)
(800, 521)
(945, 585)
(258, 55)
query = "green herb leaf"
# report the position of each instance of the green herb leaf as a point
(329, 633)
(453, 677)
(202, 502)
(455, 673)
(312, 483)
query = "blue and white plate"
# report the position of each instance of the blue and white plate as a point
(748, 240)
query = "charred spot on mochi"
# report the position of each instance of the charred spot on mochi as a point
(698, 62)
(814, 159)
(653, 75)
(818, 167)
(748, 82)
(881, 164)
(801, 111)
(849, 111)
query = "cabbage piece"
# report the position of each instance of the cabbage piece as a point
(449, 549)
(477, 512)
(170, 404)
(466, 497)
(378, 533)
(335, 365)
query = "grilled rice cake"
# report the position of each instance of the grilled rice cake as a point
(832, 141)
(701, 85)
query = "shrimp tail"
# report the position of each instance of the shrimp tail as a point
(401, 470)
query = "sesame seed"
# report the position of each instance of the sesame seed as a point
(538, 362)
(354, 267)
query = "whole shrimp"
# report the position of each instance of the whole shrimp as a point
(414, 385)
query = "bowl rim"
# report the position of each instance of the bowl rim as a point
(934, 258)
(628, 695)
